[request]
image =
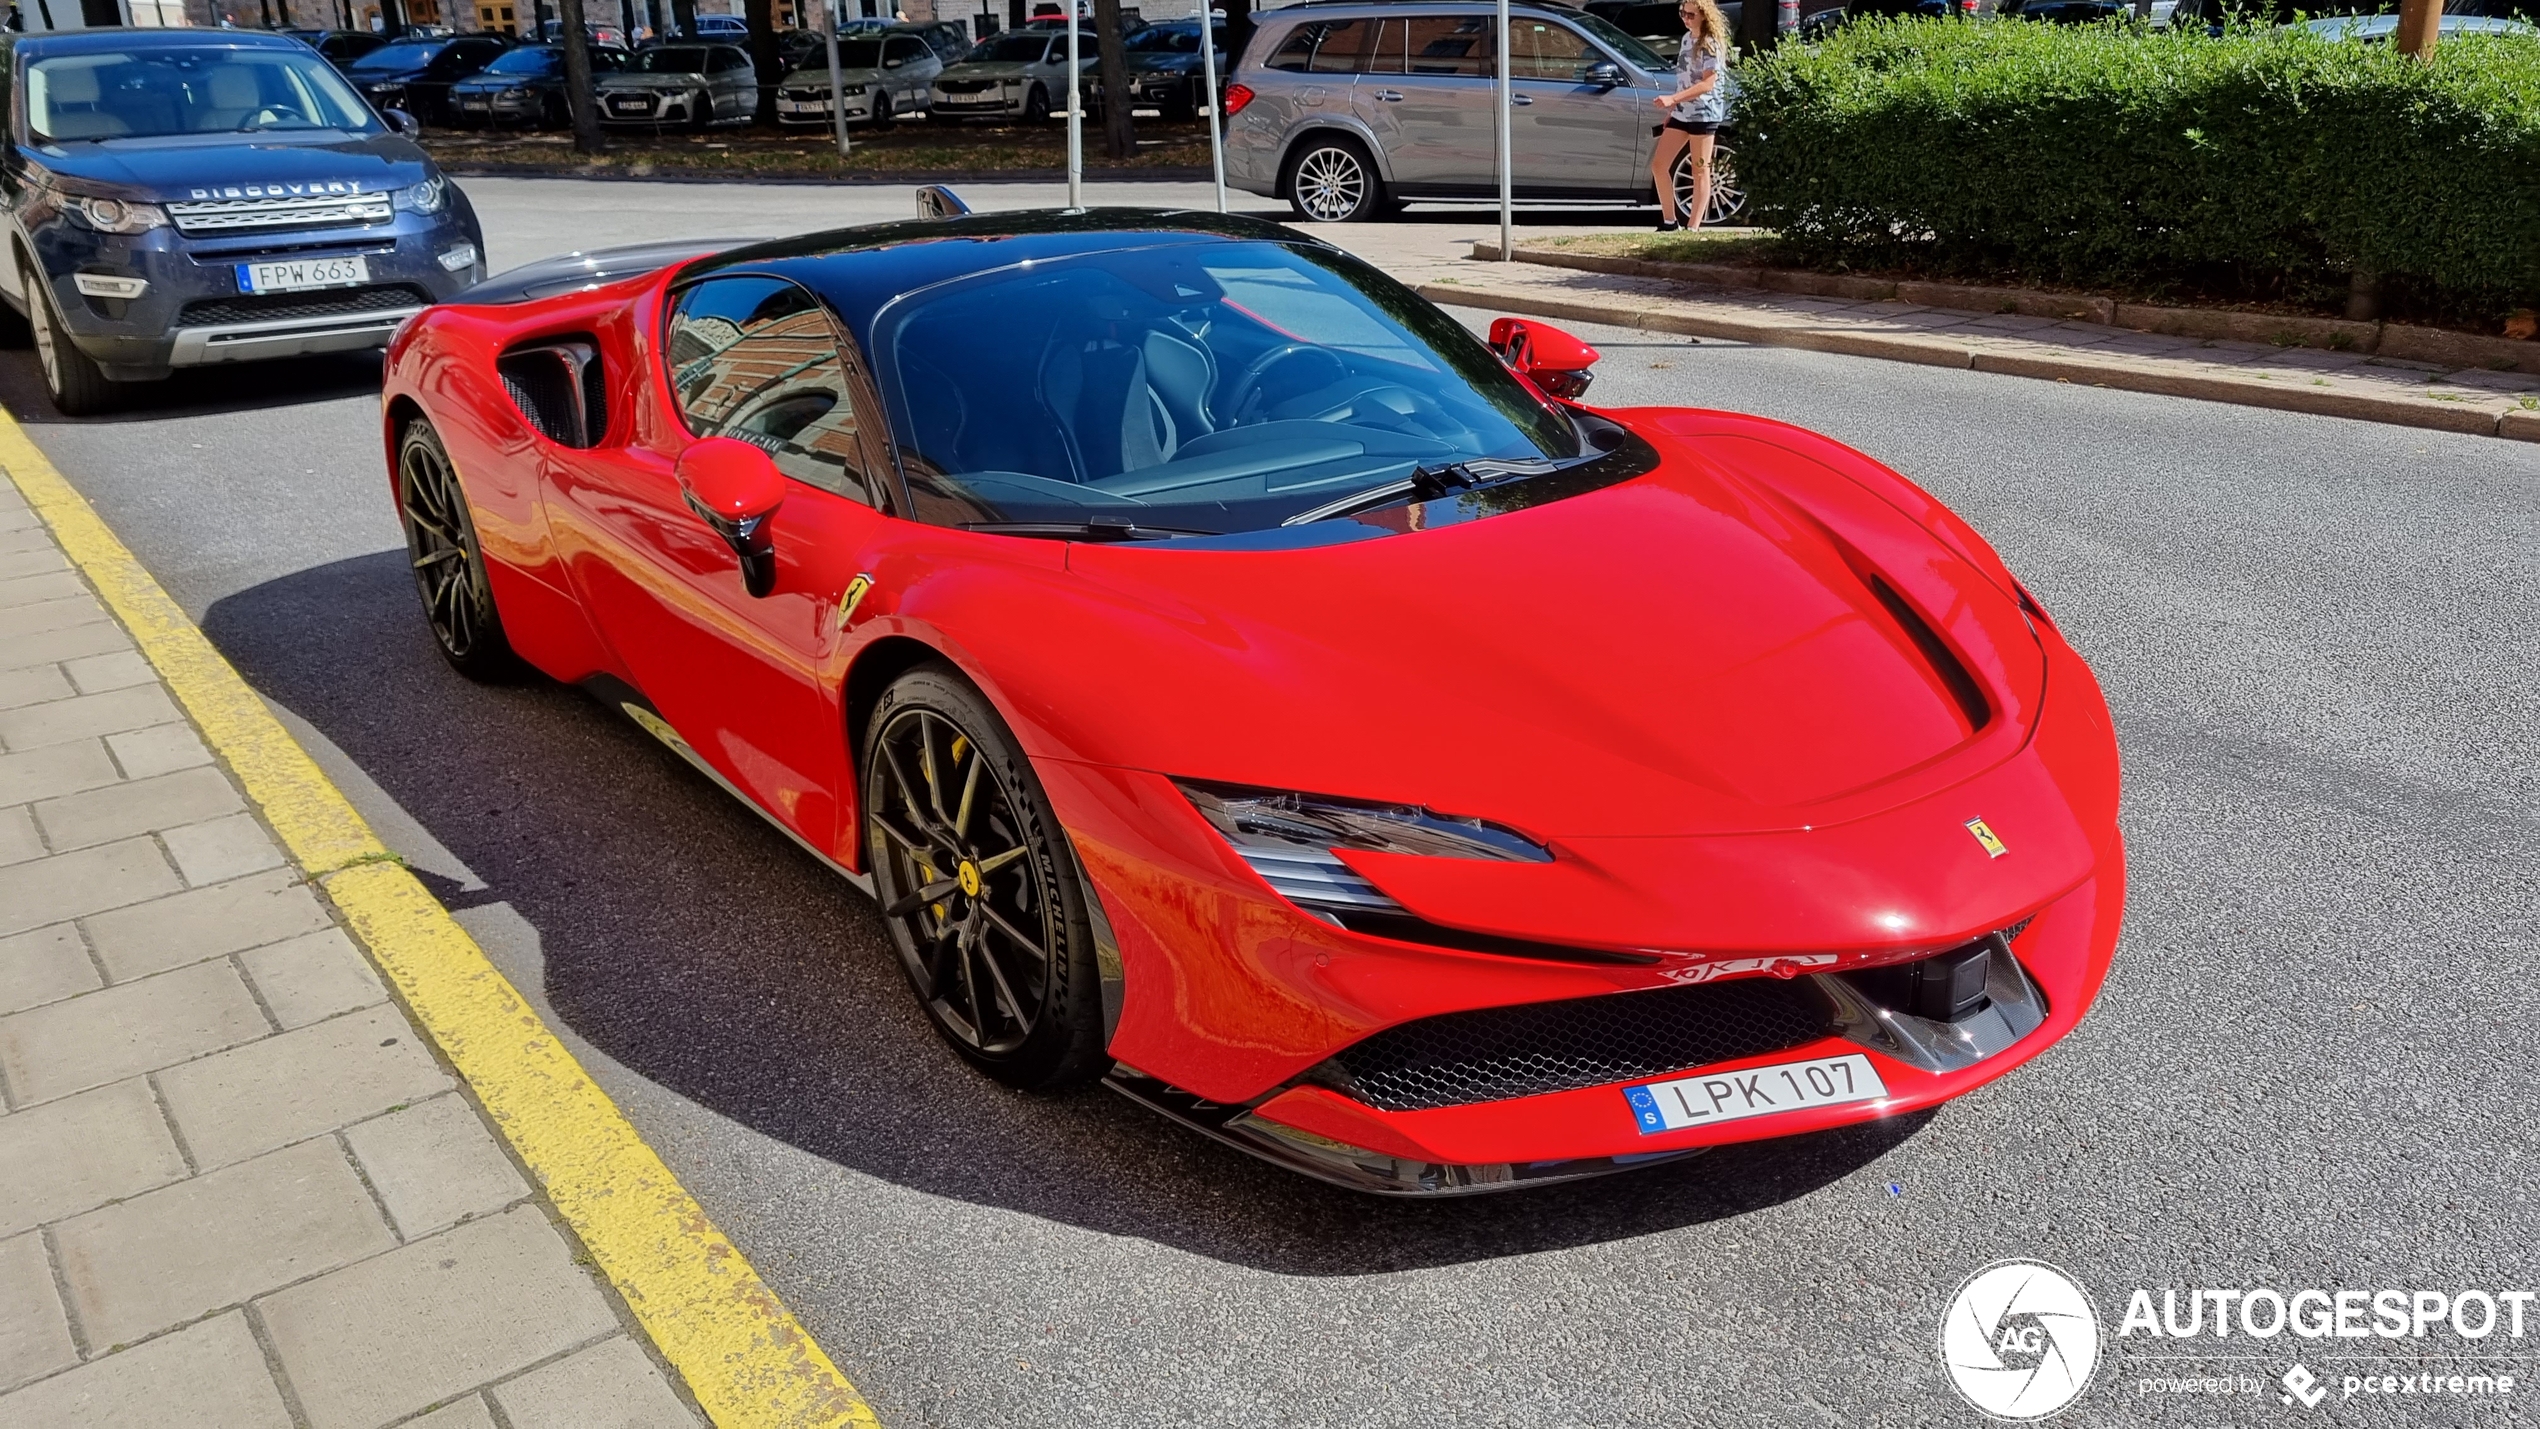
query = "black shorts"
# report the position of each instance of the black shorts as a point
(1687, 126)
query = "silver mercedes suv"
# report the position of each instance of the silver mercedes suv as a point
(1347, 108)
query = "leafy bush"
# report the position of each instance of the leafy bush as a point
(2261, 164)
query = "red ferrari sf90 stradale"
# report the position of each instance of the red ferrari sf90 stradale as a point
(1235, 680)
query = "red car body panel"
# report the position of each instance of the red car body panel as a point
(1694, 688)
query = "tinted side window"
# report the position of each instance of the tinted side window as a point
(758, 359)
(1539, 49)
(901, 51)
(1322, 47)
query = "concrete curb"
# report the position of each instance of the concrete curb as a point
(1181, 174)
(743, 1355)
(2404, 342)
(1935, 351)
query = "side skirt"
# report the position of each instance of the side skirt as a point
(627, 700)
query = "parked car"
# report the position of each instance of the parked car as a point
(1130, 21)
(880, 75)
(2378, 29)
(341, 47)
(1347, 110)
(1019, 74)
(189, 197)
(525, 87)
(1473, 780)
(721, 27)
(1165, 72)
(681, 83)
(597, 34)
(416, 75)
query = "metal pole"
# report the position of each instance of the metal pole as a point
(1208, 101)
(1075, 118)
(1507, 156)
(837, 100)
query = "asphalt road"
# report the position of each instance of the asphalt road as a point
(2313, 1067)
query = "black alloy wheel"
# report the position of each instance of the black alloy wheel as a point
(978, 885)
(77, 385)
(1331, 180)
(1036, 106)
(449, 564)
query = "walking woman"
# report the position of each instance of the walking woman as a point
(1694, 113)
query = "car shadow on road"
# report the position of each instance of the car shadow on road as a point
(243, 387)
(688, 941)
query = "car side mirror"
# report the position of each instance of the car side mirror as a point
(1605, 74)
(1545, 355)
(400, 120)
(735, 489)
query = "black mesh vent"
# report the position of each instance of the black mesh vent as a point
(561, 387)
(276, 307)
(1540, 1047)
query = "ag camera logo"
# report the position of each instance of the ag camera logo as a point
(2020, 1340)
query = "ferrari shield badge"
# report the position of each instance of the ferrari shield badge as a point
(852, 597)
(1993, 845)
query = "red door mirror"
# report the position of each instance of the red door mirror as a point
(735, 488)
(1555, 361)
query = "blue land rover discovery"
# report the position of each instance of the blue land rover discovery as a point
(178, 198)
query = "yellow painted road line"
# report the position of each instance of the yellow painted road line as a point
(744, 1356)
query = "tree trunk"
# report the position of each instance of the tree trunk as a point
(766, 65)
(579, 101)
(1238, 35)
(1758, 26)
(683, 18)
(1119, 136)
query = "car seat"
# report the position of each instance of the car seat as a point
(74, 104)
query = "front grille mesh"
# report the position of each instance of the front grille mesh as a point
(227, 215)
(281, 307)
(1504, 1052)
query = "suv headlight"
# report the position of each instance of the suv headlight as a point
(425, 197)
(114, 215)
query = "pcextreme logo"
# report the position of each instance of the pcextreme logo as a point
(2020, 1340)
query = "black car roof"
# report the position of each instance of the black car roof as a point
(858, 271)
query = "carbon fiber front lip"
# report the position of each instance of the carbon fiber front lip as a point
(1354, 1167)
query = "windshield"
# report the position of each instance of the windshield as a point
(397, 57)
(1203, 387)
(1629, 48)
(1012, 49)
(159, 92)
(1168, 39)
(852, 54)
(679, 59)
(532, 61)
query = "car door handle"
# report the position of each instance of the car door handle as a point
(1521, 99)
(1390, 96)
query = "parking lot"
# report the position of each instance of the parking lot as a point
(2311, 1066)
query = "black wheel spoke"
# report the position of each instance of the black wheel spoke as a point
(910, 902)
(1029, 943)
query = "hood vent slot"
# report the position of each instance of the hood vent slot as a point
(1944, 661)
(561, 387)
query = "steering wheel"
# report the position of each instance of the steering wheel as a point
(1248, 383)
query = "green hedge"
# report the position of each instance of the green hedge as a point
(2259, 164)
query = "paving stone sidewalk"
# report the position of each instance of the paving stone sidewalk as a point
(237, 1188)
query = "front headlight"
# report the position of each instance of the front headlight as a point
(425, 197)
(1289, 839)
(114, 215)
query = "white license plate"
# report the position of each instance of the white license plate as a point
(1715, 1097)
(303, 274)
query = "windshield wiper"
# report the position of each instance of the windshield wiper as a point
(1083, 530)
(1425, 483)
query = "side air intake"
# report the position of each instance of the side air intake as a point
(561, 387)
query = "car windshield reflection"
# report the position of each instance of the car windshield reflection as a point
(1215, 388)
